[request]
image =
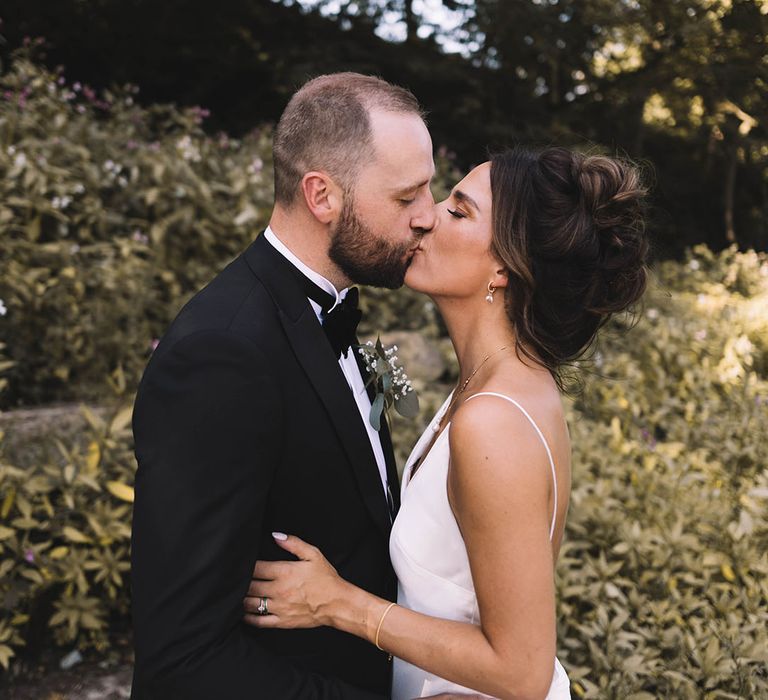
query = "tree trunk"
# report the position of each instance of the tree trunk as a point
(411, 20)
(730, 187)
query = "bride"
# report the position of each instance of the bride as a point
(530, 255)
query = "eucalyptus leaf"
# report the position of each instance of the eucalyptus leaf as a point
(408, 405)
(377, 408)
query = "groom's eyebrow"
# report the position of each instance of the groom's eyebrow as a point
(460, 196)
(411, 188)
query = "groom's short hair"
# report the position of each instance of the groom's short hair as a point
(326, 126)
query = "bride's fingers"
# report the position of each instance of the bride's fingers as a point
(269, 570)
(258, 588)
(296, 546)
(263, 621)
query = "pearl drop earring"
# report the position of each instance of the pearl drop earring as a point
(491, 290)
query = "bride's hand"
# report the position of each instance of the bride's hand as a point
(297, 593)
(454, 696)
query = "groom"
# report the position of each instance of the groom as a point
(252, 415)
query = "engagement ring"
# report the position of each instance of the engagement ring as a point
(262, 609)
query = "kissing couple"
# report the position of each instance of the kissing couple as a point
(274, 553)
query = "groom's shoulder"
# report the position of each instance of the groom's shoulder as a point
(235, 303)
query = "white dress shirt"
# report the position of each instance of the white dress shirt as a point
(348, 364)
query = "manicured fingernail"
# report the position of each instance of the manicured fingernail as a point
(280, 536)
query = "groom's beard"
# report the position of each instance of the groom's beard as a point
(362, 256)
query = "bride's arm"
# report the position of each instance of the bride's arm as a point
(501, 494)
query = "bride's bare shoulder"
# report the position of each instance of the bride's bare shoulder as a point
(499, 416)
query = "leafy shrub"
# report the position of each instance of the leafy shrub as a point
(65, 530)
(664, 570)
(111, 216)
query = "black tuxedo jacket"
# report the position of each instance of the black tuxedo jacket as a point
(244, 424)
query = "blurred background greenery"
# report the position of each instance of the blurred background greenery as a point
(118, 203)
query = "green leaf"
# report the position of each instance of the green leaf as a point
(74, 535)
(122, 491)
(377, 407)
(121, 420)
(5, 655)
(408, 405)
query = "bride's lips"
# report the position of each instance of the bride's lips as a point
(413, 251)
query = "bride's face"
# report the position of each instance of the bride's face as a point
(455, 260)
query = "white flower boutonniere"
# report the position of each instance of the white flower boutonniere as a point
(391, 383)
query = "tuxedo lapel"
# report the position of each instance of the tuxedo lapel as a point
(311, 347)
(389, 456)
(385, 437)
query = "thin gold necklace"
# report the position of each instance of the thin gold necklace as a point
(436, 426)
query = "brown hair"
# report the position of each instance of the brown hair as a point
(326, 126)
(569, 229)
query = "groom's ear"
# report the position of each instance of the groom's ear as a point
(322, 196)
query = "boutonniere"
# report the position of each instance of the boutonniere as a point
(390, 382)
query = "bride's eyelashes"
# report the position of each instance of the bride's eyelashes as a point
(456, 213)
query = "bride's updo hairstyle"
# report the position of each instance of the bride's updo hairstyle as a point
(569, 230)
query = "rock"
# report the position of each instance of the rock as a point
(27, 432)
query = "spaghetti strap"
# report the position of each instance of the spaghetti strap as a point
(543, 439)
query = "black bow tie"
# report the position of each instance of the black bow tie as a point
(340, 323)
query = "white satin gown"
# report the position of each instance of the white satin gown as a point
(431, 562)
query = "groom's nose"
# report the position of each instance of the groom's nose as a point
(424, 221)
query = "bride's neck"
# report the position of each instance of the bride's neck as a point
(476, 330)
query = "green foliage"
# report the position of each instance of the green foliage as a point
(664, 570)
(111, 216)
(64, 536)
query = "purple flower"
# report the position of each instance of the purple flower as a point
(29, 555)
(648, 438)
(199, 114)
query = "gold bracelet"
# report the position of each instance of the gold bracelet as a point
(381, 621)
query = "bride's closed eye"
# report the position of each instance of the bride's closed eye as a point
(456, 213)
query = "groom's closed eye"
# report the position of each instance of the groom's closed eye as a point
(409, 193)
